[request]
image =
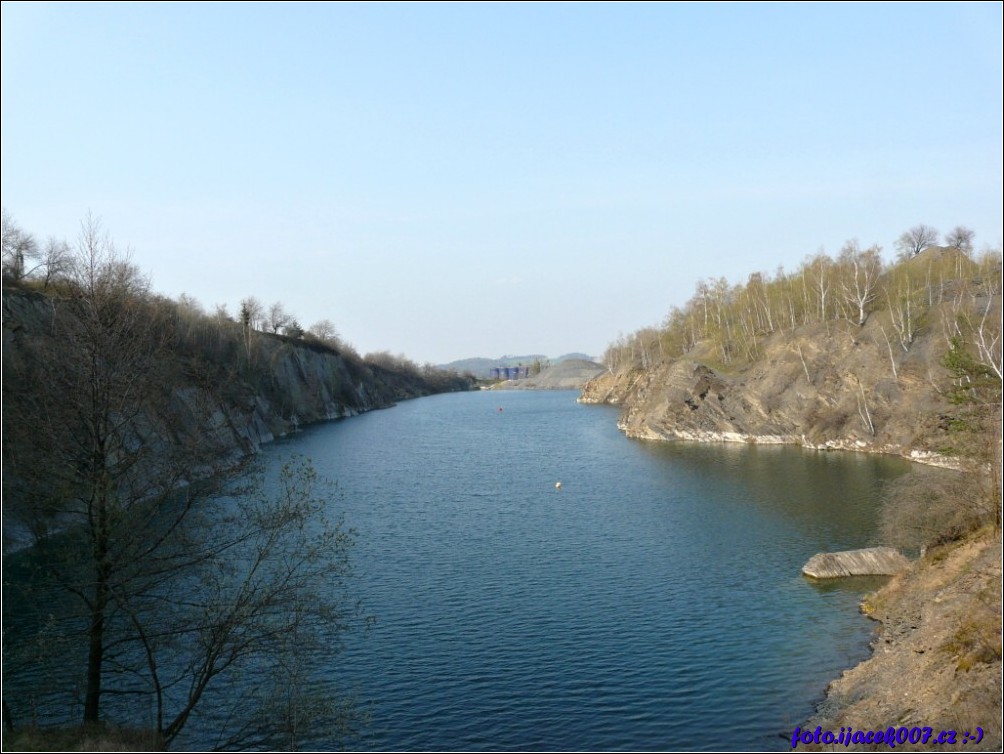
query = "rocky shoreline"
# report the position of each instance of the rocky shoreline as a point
(936, 656)
(820, 388)
(926, 457)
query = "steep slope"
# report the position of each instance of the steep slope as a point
(824, 386)
(836, 384)
(936, 658)
(279, 384)
(195, 395)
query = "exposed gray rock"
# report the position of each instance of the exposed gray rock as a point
(219, 392)
(825, 387)
(872, 561)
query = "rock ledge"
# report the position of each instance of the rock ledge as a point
(873, 561)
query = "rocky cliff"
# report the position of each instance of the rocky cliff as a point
(838, 385)
(828, 386)
(232, 388)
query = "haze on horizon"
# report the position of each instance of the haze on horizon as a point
(451, 181)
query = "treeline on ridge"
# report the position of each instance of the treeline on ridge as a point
(914, 343)
(851, 287)
(229, 350)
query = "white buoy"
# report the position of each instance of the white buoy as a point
(558, 486)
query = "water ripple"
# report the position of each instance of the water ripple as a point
(653, 603)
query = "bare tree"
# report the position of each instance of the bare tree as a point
(915, 240)
(274, 566)
(252, 313)
(324, 330)
(863, 412)
(57, 259)
(107, 353)
(892, 358)
(860, 280)
(759, 296)
(19, 249)
(987, 336)
(115, 468)
(819, 272)
(928, 506)
(902, 300)
(278, 317)
(250, 319)
(961, 238)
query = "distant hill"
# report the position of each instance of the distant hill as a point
(569, 374)
(482, 367)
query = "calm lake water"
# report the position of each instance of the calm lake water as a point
(654, 602)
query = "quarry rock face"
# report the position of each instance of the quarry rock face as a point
(823, 388)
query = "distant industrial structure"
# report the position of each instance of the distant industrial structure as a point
(510, 373)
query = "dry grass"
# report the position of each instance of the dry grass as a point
(937, 658)
(977, 641)
(91, 738)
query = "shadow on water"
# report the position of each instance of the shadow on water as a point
(853, 585)
(829, 493)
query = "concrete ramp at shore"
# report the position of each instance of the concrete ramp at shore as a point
(872, 561)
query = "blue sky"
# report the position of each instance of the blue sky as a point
(451, 180)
